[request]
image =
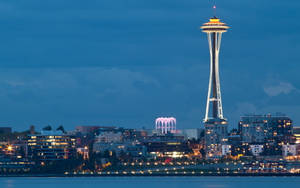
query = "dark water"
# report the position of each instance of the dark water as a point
(151, 182)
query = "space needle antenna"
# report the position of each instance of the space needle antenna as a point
(215, 10)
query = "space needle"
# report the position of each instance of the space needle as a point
(214, 121)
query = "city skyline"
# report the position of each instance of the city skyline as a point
(62, 64)
(95, 92)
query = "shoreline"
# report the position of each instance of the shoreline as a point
(156, 175)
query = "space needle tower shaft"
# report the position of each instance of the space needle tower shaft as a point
(214, 29)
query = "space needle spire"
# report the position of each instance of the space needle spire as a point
(214, 29)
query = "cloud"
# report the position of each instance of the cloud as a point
(98, 95)
(280, 88)
(107, 61)
(245, 107)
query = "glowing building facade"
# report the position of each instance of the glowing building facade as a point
(269, 128)
(215, 123)
(50, 146)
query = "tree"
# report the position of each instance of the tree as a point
(47, 128)
(61, 128)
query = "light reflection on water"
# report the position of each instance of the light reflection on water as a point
(151, 182)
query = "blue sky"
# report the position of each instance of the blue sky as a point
(126, 62)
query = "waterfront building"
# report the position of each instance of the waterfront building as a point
(266, 128)
(256, 149)
(215, 123)
(134, 149)
(272, 149)
(51, 145)
(226, 150)
(167, 149)
(119, 140)
(169, 145)
(289, 150)
(240, 150)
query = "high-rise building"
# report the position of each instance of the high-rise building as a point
(214, 121)
(266, 128)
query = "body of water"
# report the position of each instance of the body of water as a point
(150, 182)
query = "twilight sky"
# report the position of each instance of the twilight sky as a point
(126, 62)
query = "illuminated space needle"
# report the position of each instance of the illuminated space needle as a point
(214, 29)
(215, 123)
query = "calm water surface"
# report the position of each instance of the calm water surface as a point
(151, 182)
